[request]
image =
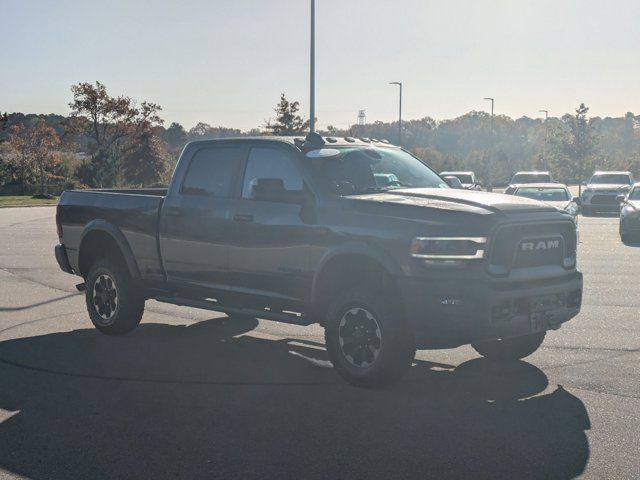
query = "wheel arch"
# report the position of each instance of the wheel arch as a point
(349, 264)
(101, 236)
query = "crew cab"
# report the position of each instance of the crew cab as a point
(630, 215)
(467, 179)
(521, 178)
(357, 235)
(603, 191)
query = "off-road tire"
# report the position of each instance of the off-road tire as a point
(396, 344)
(125, 312)
(515, 348)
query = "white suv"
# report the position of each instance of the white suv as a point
(602, 193)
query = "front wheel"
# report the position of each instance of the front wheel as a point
(367, 339)
(510, 348)
(114, 301)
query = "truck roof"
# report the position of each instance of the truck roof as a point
(299, 140)
(611, 172)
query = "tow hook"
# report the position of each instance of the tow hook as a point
(81, 287)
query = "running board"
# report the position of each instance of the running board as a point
(268, 314)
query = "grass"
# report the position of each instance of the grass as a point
(19, 200)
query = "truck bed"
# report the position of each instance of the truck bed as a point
(134, 212)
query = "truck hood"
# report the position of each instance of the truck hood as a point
(469, 201)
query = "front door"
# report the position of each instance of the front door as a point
(269, 253)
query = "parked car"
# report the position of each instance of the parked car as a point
(604, 191)
(300, 231)
(528, 177)
(467, 179)
(630, 215)
(555, 194)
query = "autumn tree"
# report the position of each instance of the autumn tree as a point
(113, 125)
(287, 121)
(34, 152)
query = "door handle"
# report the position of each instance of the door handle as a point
(243, 218)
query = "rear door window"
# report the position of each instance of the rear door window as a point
(212, 171)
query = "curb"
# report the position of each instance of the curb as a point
(30, 205)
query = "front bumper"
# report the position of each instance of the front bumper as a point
(62, 259)
(608, 204)
(452, 312)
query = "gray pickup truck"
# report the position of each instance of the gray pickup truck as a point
(355, 234)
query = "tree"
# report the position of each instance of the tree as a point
(575, 143)
(113, 126)
(44, 141)
(34, 149)
(287, 122)
(176, 136)
(148, 162)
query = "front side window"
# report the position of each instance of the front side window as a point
(360, 170)
(635, 194)
(212, 171)
(270, 163)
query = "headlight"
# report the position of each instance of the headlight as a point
(572, 209)
(444, 249)
(628, 210)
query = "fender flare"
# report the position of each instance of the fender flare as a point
(362, 249)
(101, 225)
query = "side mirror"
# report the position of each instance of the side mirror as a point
(272, 190)
(621, 198)
(577, 200)
(584, 183)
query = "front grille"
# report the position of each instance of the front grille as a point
(532, 245)
(604, 200)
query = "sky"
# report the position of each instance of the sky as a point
(225, 62)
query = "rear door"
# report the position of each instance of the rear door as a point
(269, 254)
(194, 224)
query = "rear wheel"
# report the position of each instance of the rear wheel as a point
(510, 348)
(114, 302)
(368, 341)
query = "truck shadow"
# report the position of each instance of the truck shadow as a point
(210, 400)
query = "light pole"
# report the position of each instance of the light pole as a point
(312, 70)
(546, 135)
(489, 180)
(399, 113)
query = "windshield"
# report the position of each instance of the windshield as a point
(635, 194)
(544, 194)
(531, 178)
(361, 170)
(614, 178)
(462, 177)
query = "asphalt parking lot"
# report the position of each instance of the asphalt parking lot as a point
(193, 394)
